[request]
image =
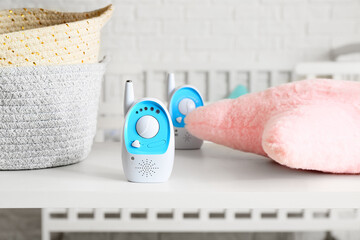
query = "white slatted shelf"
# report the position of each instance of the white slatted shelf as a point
(213, 177)
(200, 220)
(213, 189)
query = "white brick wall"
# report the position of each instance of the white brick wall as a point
(218, 31)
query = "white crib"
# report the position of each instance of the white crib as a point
(215, 84)
(333, 70)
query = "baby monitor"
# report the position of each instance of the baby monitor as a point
(147, 139)
(182, 101)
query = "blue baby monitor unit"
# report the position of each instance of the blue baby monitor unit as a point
(147, 139)
(182, 101)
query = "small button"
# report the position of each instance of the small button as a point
(179, 119)
(135, 144)
(186, 106)
(147, 126)
(156, 144)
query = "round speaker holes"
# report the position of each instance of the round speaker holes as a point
(151, 109)
(147, 168)
(145, 108)
(140, 109)
(158, 111)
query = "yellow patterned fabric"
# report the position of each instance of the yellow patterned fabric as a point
(44, 37)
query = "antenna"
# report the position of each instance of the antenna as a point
(171, 84)
(128, 96)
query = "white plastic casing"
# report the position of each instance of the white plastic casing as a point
(183, 139)
(148, 167)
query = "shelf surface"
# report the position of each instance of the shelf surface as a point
(212, 177)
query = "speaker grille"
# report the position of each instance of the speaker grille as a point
(147, 168)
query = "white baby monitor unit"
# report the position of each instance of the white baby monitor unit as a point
(182, 101)
(147, 139)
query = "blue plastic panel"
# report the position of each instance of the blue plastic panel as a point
(156, 145)
(184, 92)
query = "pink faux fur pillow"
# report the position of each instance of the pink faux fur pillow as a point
(310, 124)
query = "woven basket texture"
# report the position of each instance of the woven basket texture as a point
(33, 37)
(48, 114)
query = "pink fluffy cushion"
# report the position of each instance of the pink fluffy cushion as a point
(310, 124)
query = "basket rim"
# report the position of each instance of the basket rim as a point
(104, 15)
(51, 69)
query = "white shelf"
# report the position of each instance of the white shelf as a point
(213, 177)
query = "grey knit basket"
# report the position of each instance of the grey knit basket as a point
(48, 114)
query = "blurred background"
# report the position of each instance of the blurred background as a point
(148, 32)
(208, 33)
